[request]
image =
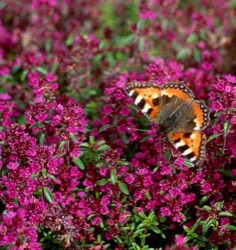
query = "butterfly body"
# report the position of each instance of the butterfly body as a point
(173, 107)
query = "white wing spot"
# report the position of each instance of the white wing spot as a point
(193, 158)
(131, 93)
(179, 144)
(187, 151)
(146, 108)
(138, 99)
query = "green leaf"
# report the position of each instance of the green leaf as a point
(121, 162)
(41, 139)
(84, 144)
(41, 70)
(155, 223)
(226, 127)
(79, 163)
(227, 173)
(61, 145)
(194, 235)
(124, 138)
(140, 24)
(219, 205)
(101, 142)
(69, 40)
(214, 136)
(91, 139)
(135, 246)
(206, 227)
(203, 200)
(197, 55)
(107, 14)
(2, 5)
(113, 176)
(103, 44)
(188, 238)
(141, 44)
(44, 173)
(163, 219)
(183, 53)
(188, 163)
(155, 229)
(73, 137)
(148, 195)
(145, 138)
(123, 187)
(187, 230)
(142, 215)
(164, 24)
(115, 120)
(100, 164)
(232, 5)
(202, 238)
(228, 214)
(52, 177)
(48, 45)
(230, 227)
(191, 38)
(138, 232)
(167, 155)
(96, 157)
(152, 215)
(157, 167)
(146, 247)
(48, 194)
(103, 148)
(102, 182)
(105, 127)
(23, 75)
(141, 225)
(207, 208)
(195, 226)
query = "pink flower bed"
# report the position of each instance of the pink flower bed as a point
(81, 167)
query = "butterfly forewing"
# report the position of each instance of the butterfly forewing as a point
(146, 97)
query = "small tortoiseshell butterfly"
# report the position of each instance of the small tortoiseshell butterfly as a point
(173, 107)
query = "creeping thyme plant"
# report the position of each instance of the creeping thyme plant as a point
(81, 167)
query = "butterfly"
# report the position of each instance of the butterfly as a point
(173, 107)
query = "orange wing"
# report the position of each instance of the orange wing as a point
(191, 145)
(146, 96)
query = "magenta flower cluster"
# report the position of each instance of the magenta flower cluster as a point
(81, 167)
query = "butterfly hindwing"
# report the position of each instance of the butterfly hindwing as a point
(190, 144)
(146, 97)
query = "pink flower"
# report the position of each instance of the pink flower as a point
(129, 178)
(13, 165)
(165, 211)
(180, 240)
(206, 187)
(96, 221)
(75, 152)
